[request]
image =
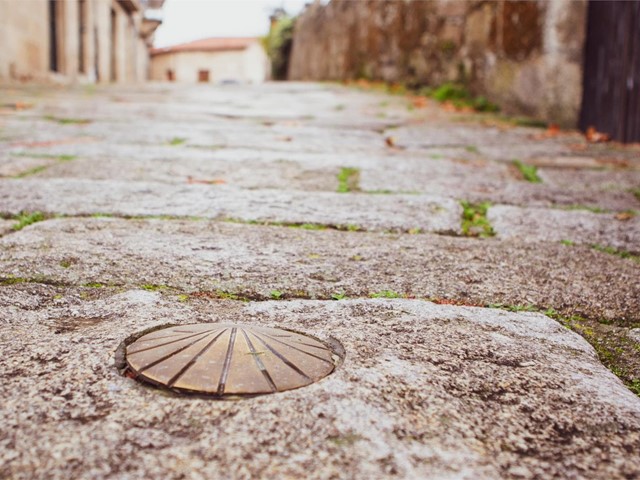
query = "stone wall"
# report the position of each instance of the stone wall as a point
(524, 55)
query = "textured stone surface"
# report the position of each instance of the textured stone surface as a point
(78, 197)
(531, 224)
(425, 389)
(255, 260)
(6, 226)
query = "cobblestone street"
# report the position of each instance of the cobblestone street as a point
(479, 279)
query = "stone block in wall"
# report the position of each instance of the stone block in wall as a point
(520, 26)
(477, 31)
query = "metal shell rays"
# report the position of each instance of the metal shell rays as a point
(223, 359)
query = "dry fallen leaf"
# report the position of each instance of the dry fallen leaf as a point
(418, 102)
(390, 141)
(594, 136)
(624, 216)
(51, 143)
(18, 105)
(215, 181)
(552, 130)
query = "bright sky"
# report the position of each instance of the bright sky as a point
(186, 20)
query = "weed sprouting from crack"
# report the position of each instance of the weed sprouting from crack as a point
(474, 219)
(41, 168)
(68, 121)
(25, 218)
(618, 252)
(386, 294)
(31, 171)
(349, 180)
(472, 149)
(587, 208)
(528, 172)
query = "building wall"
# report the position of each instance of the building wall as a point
(24, 41)
(90, 47)
(524, 55)
(245, 66)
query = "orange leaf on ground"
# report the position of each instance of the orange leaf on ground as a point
(594, 136)
(552, 130)
(418, 102)
(51, 143)
(215, 181)
(624, 216)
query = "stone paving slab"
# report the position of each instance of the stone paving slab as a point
(609, 179)
(14, 166)
(76, 197)
(504, 144)
(473, 180)
(535, 225)
(253, 261)
(6, 226)
(480, 183)
(425, 391)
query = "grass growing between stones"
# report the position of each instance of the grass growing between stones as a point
(349, 180)
(586, 208)
(24, 219)
(41, 168)
(175, 141)
(460, 97)
(616, 251)
(615, 350)
(386, 294)
(528, 172)
(472, 149)
(12, 280)
(68, 121)
(151, 287)
(636, 193)
(474, 220)
(31, 171)
(59, 158)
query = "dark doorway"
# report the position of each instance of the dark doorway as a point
(171, 76)
(611, 93)
(203, 76)
(96, 54)
(114, 45)
(82, 36)
(53, 36)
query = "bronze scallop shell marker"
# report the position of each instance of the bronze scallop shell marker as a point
(223, 359)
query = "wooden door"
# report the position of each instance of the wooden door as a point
(611, 93)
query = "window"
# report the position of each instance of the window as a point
(203, 76)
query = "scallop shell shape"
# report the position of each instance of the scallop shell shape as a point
(228, 359)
